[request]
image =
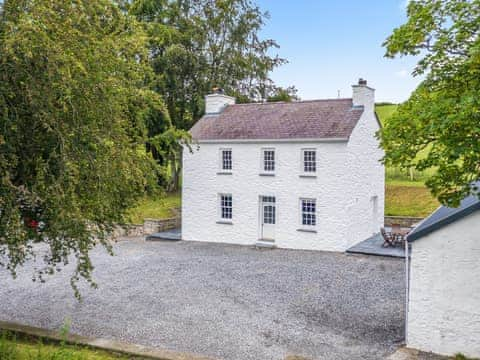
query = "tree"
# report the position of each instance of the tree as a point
(439, 126)
(283, 94)
(73, 106)
(196, 45)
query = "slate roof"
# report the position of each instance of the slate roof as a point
(445, 215)
(315, 119)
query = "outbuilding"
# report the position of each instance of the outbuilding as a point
(444, 283)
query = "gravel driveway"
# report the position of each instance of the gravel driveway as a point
(225, 301)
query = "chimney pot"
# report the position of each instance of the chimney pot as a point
(363, 95)
(216, 102)
(217, 90)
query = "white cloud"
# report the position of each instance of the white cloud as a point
(402, 73)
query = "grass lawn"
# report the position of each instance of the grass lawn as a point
(155, 208)
(408, 198)
(20, 349)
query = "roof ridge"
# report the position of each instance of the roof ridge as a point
(291, 102)
(445, 215)
(325, 118)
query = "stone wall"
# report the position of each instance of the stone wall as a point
(151, 226)
(148, 227)
(404, 221)
(128, 230)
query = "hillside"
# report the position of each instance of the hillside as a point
(385, 111)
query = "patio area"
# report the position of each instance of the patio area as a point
(374, 245)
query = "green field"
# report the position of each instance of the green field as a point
(405, 193)
(408, 198)
(385, 111)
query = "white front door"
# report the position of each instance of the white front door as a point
(268, 217)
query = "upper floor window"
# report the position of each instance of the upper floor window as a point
(226, 206)
(268, 160)
(226, 159)
(309, 212)
(309, 160)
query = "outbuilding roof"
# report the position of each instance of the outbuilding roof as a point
(315, 119)
(445, 215)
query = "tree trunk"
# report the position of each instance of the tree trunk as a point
(176, 168)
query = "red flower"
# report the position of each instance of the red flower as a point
(33, 224)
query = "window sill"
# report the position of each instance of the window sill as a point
(307, 230)
(311, 176)
(267, 174)
(224, 222)
(224, 173)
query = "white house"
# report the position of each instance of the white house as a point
(300, 175)
(444, 287)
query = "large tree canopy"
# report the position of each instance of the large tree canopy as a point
(72, 112)
(439, 126)
(200, 44)
(196, 45)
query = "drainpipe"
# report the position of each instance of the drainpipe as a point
(407, 284)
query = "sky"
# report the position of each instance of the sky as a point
(330, 44)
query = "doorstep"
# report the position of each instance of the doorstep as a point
(265, 244)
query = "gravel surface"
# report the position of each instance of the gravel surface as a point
(225, 301)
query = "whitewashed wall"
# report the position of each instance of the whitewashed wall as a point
(344, 187)
(201, 186)
(444, 307)
(367, 175)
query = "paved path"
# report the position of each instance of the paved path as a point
(224, 301)
(168, 235)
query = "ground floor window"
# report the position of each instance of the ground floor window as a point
(226, 206)
(309, 212)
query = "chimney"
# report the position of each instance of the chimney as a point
(217, 101)
(363, 95)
